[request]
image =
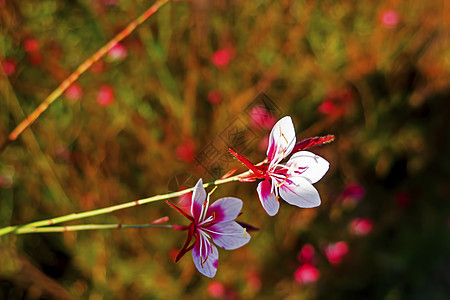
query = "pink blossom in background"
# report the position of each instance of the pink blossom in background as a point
(352, 194)
(186, 151)
(9, 66)
(110, 2)
(222, 57)
(306, 254)
(74, 91)
(261, 118)
(306, 274)
(263, 143)
(216, 289)
(118, 52)
(105, 95)
(361, 226)
(335, 252)
(214, 97)
(389, 18)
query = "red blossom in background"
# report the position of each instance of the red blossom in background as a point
(306, 254)
(105, 95)
(222, 57)
(361, 226)
(389, 18)
(98, 67)
(216, 289)
(9, 66)
(403, 199)
(306, 274)
(31, 45)
(335, 252)
(186, 151)
(74, 91)
(214, 97)
(337, 103)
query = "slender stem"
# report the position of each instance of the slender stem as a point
(110, 209)
(86, 227)
(81, 69)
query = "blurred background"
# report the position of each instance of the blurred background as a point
(160, 109)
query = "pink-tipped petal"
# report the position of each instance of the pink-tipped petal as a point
(198, 199)
(267, 197)
(281, 140)
(228, 235)
(206, 257)
(225, 209)
(300, 192)
(312, 166)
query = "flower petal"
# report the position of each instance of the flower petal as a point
(312, 166)
(281, 140)
(268, 198)
(300, 192)
(228, 235)
(225, 209)
(198, 199)
(205, 255)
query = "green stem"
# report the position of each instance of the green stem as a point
(86, 227)
(110, 209)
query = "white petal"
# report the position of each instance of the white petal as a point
(198, 199)
(312, 166)
(228, 235)
(300, 193)
(267, 197)
(281, 140)
(206, 257)
(225, 209)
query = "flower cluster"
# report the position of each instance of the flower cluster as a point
(214, 225)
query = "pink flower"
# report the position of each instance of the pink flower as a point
(105, 95)
(361, 227)
(335, 252)
(214, 97)
(222, 57)
(352, 194)
(9, 66)
(216, 289)
(210, 224)
(389, 18)
(306, 254)
(261, 118)
(337, 103)
(293, 181)
(74, 91)
(306, 274)
(118, 52)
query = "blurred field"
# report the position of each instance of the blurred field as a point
(159, 111)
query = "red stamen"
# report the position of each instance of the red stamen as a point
(246, 162)
(311, 142)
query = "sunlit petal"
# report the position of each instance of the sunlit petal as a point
(311, 166)
(300, 192)
(267, 197)
(198, 199)
(228, 235)
(281, 140)
(225, 209)
(206, 257)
